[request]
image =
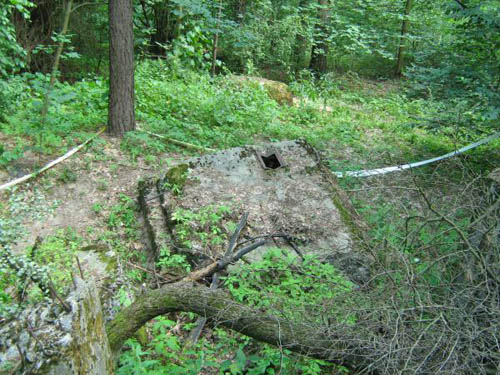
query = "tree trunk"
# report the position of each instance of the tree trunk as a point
(301, 41)
(402, 41)
(340, 346)
(163, 30)
(57, 58)
(121, 116)
(319, 54)
(216, 41)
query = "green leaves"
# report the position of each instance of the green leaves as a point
(11, 53)
(280, 281)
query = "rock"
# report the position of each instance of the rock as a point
(278, 91)
(74, 343)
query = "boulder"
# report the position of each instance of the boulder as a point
(278, 91)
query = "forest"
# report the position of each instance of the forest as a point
(249, 187)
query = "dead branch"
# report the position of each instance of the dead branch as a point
(222, 264)
(179, 143)
(200, 323)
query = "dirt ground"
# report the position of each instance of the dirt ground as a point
(98, 175)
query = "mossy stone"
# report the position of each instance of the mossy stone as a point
(176, 177)
(276, 90)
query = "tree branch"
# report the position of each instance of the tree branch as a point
(461, 4)
(342, 347)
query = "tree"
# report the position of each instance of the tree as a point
(121, 115)
(402, 41)
(301, 337)
(319, 54)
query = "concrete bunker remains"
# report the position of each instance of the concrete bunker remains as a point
(298, 202)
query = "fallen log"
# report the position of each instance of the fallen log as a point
(340, 345)
(179, 143)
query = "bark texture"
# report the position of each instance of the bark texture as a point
(313, 340)
(121, 116)
(319, 53)
(402, 41)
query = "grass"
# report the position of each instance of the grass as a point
(369, 123)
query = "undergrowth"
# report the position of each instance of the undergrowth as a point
(363, 124)
(295, 289)
(374, 121)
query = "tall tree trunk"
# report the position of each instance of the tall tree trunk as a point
(121, 115)
(163, 30)
(402, 41)
(300, 40)
(319, 54)
(216, 40)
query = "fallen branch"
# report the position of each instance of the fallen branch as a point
(340, 344)
(202, 320)
(200, 323)
(51, 164)
(286, 237)
(179, 143)
(221, 264)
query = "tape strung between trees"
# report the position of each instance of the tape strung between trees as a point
(378, 171)
(51, 164)
(363, 173)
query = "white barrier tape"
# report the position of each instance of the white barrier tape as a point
(374, 172)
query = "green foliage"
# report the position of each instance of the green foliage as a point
(49, 262)
(139, 144)
(372, 118)
(9, 155)
(21, 205)
(12, 93)
(306, 290)
(276, 282)
(467, 80)
(76, 110)
(190, 49)
(11, 53)
(168, 261)
(57, 252)
(163, 354)
(203, 225)
(67, 175)
(122, 217)
(195, 110)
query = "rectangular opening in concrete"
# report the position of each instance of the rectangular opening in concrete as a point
(272, 160)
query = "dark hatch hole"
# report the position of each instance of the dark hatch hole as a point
(270, 161)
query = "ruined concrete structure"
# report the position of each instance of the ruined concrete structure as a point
(287, 191)
(45, 340)
(192, 209)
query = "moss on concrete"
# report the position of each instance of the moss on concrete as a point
(176, 178)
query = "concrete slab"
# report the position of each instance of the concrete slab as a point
(298, 199)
